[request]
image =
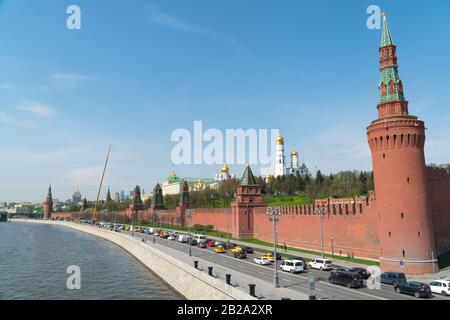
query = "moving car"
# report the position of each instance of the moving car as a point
(262, 260)
(183, 238)
(363, 272)
(320, 264)
(417, 289)
(210, 244)
(202, 244)
(392, 277)
(440, 287)
(219, 249)
(268, 256)
(305, 265)
(240, 255)
(278, 255)
(237, 249)
(292, 266)
(346, 278)
(249, 250)
(172, 237)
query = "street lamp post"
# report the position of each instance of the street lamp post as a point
(274, 213)
(332, 246)
(227, 212)
(132, 223)
(153, 224)
(320, 211)
(190, 212)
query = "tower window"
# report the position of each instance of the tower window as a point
(407, 179)
(389, 234)
(383, 89)
(403, 252)
(392, 87)
(418, 234)
(384, 156)
(402, 215)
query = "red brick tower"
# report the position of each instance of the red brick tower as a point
(184, 203)
(48, 204)
(397, 141)
(248, 196)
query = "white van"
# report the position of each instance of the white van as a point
(292, 266)
(199, 237)
(321, 264)
(183, 238)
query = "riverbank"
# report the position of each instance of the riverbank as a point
(189, 282)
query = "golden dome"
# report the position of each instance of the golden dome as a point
(294, 153)
(280, 139)
(173, 174)
(225, 169)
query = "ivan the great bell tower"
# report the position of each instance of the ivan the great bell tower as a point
(397, 141)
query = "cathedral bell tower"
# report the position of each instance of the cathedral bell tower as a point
(396, 141)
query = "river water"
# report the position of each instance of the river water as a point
(34, 260)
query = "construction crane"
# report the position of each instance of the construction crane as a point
(94, 218)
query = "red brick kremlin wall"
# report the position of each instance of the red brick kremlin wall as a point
(439, 193)
(353, 223)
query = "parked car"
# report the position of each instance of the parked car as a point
(240, 255)
(210, 244)
(262, 260)
(363, 272)
(219, 249)
(417, 289)
(346, 278)
(392, 277)
(193, 242)
(320, 264)
(249, 250)
(440, 287)
(292, 266)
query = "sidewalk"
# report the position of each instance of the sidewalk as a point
(427, 278)
(264, 289)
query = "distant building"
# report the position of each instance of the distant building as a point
(122, 195)
(174, 184)
(117, 197)
(76, 197)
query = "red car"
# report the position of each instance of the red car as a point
(211, 244)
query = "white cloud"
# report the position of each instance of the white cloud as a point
(156, 15)
(66, 81)
(10, 120)
(36, 108)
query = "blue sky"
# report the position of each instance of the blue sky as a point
(137, 70)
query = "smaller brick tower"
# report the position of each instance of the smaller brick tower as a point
(136, 204)
(48, 204)
(158, 198)
(248, 196)
(184, 203)
(397, 141)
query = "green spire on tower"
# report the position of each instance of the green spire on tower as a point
(386, 37)
(391, 86)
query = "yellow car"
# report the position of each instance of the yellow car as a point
(127, 228)
(219, 249)
(269, 257)
(237, 250)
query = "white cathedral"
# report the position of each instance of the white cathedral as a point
(280, 162)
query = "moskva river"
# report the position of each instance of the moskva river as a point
(34, 260)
